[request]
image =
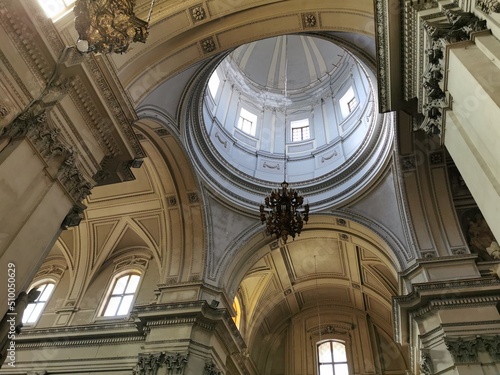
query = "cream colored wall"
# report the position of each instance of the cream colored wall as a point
(472, 133)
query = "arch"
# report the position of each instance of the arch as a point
(182, 203)
(238, 258)
(225, 29)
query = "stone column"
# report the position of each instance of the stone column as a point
(40, 182)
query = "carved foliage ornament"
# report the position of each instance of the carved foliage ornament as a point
(48, 142)
(458, 27)
(426, 366)
(149, 364)
(463, 351)
(211, 369)
(488, 6)
(492, 345)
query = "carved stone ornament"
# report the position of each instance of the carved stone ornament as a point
(488, 6)
(211, 369)
(458, 27)
(208, 45)
(492, 345)
(309, 20)
(462, 351)
(73, 180)
(198, 13)
(149, 364)
(49, 144)
(426, 366)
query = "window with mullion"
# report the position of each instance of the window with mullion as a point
(332, 358)
(300, 130)
(122, 295)
(35, 309)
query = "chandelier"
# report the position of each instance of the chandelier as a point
(106, 26)
(282, 213)
(282, 210)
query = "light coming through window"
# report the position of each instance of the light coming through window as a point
(247, 122)
(35, 309)
(122, 295)
(332, 358)
(300, 130)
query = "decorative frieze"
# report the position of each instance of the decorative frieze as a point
(149, 364)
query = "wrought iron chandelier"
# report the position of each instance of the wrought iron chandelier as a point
(106, 26)
(282, 210)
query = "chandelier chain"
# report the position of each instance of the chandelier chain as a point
(317, 297)
(282, 211)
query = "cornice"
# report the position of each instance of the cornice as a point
(442, 293)
(26, 42)
(62, 341)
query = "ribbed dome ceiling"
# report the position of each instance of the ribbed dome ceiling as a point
(263, 62)
(243, 138)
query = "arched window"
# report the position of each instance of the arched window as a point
(121, 295)
(35, 309)
(332, 358)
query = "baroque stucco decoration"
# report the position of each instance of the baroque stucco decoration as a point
(149, 364)
(462, 351)
(458, 27)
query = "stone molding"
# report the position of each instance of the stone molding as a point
(64, 341)
(382, 37)
(432, 296)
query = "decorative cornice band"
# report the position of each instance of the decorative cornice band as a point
(65, 341)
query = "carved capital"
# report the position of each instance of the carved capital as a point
(492, 345)
(149, 364)
(211, 369)
(462, 351)
(426, 366)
